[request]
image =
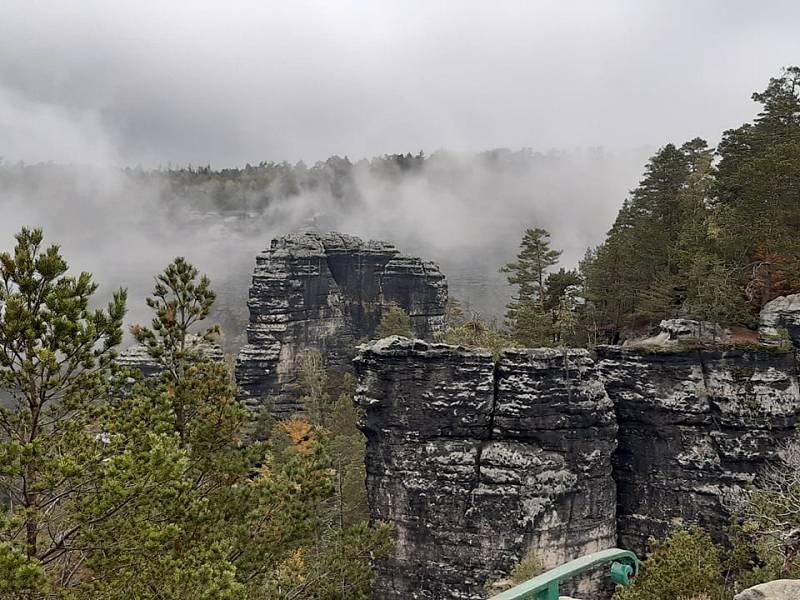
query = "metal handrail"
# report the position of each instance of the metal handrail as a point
(624, 565)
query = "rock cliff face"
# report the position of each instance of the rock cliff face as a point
(474, 464)
(326, 291)
(692, 424)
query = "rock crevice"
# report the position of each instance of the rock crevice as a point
(692, 426)
(475, 463)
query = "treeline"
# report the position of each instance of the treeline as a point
(708, 234)
(255, 188)
(117, 486)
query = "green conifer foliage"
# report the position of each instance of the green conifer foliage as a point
(54, 356)
(395, 321)
(528, 318)
(684, 565)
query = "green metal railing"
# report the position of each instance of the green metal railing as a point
(624, 565)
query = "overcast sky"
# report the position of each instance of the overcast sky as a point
(232, 82)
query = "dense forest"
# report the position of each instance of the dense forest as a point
(708, 234)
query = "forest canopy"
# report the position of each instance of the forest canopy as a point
(708, 234)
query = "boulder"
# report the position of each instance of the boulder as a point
(674, 331)
(780, 589)
(780, 320)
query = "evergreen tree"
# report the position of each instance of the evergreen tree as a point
(340, 564)
(684, 565)
(637, 276)
(562, 289)
(55, 353)
(757, 187)
(201, 515)
(395, 321)
(180, 301)
(528, 318)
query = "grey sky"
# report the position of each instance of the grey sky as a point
(235, 82)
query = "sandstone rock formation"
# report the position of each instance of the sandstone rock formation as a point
(693, 424)
(326, 291)
(475, 463)
(780, 318)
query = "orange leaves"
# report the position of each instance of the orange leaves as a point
(772, 275)
(300, 432)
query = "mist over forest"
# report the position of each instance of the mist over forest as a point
(592, 91)
(465, 211)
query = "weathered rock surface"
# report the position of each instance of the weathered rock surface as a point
(781, 318)
(326, 291)
(474, 463)
(780, 589)
(137, 356)
(691, 426)
(675, 331)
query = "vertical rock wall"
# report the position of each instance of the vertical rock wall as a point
(326, 291)
(692, 424)
(474, 464)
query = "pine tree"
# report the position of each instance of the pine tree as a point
(201, 515)
(55, 354)
(180, 301)
(636, 277)
(756, 193)
(341, 561)
(684, 565)
(395, 321)
(530, 322)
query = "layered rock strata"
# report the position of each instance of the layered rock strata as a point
(137, 356)
(475, 463)
(693, 425)
(327, 292)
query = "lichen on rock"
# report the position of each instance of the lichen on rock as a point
(694, 425)
(475, 462)
(780, 320)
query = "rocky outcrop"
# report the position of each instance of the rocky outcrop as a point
(326, 291)
(780, 320)
(692, 425)
(673, 332)
(476, 463)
